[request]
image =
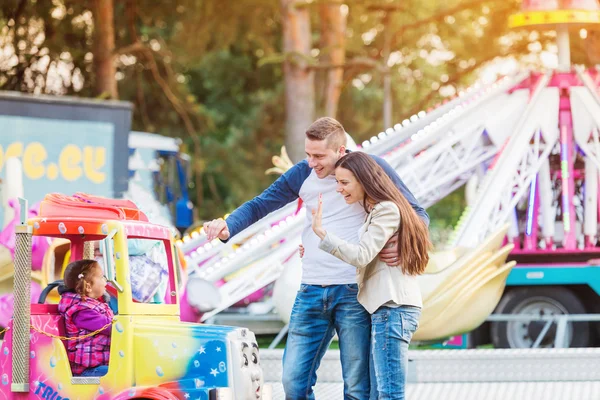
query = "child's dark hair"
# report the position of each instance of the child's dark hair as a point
(76, 274)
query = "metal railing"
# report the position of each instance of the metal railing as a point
(562, 321)
(560, 340)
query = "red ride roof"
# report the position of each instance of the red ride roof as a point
(86, 206)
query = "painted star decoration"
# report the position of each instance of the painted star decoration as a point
(214, 372)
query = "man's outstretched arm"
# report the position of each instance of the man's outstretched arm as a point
(283, 191)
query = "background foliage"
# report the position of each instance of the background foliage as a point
(210, 72)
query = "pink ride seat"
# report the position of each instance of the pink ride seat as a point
(54, 322)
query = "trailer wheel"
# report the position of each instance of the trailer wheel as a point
(546, 300)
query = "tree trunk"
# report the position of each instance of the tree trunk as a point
(591, 46)
(299, 80)
(104, 48)
(387, 78)
(333, 39)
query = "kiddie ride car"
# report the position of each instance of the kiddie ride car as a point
(153, 355)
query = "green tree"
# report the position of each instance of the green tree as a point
(216, 77)
(54, 48)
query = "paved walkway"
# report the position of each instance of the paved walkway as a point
(532, 374)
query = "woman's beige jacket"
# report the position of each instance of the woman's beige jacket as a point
(378, 283)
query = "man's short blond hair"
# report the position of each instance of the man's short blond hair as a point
(328, 129)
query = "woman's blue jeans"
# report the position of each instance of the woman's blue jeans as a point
(391, 332)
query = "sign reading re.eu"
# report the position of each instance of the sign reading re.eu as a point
(59, 155)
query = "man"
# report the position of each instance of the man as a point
(326, 302)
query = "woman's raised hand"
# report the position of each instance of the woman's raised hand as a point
(317, 220)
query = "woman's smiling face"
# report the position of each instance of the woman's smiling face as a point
(348, 186)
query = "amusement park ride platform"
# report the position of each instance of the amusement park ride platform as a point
(528, 374)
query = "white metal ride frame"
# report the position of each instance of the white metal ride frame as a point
(255, 277)
(472, 141)
(450, 145)
(462, 116)
(509, 179)
(585, 107)
(422, 126)
(268, 252)
(409, 131)
(392, 137)
(260, 245)
(202, 250)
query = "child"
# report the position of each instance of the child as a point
(83, 314)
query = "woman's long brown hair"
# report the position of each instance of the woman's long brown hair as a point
(413, 235)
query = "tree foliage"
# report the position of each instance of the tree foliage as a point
(212, 73)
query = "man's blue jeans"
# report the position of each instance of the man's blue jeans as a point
(318, 312)
(391, 332)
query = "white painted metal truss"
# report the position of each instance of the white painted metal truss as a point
(388, 140)
(382, 144)
(254, 249)
(447, 147)
(464, 116)
(441, 169)
(255, 277)
(585, 109)
(203, 250)
(516, 167)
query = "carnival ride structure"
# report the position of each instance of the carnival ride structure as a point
(51, 256)
(527, 145)
(152, 353)
(275, 239)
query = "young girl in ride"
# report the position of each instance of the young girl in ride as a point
(390, 294)
(85, 313)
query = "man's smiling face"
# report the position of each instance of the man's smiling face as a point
(321, 157)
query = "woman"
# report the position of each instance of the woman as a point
(390, 294)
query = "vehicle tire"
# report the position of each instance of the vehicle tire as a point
(541, 300)
(591, 299)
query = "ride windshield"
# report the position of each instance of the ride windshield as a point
(148, 270)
